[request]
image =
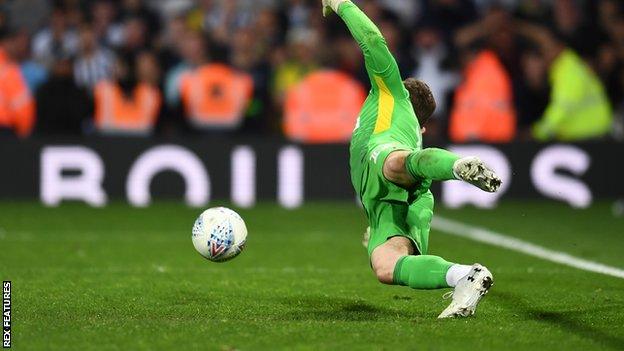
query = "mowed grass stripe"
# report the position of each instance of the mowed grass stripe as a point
(121, 278)
(483, 235)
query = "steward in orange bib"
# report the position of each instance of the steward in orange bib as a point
(323, 108)
(126, 107)
(215, 96)
(17, 107)
(483, 109)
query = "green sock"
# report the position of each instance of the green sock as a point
(422, 272)
(434, 164)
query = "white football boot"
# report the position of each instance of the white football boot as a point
(472, 170)
(366, 238)
(468, 292)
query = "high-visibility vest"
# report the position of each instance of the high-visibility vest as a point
(117, 114)
(323, 108)
(579, 108)
(215, 96)
(17, 107)
(483, 109)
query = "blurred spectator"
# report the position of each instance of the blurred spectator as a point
(609, 69)
(316, 114)
(74, 12)
(483, 103)
(483, 109)
(215, 96)
(405, 10)
(450, 15)
(134, 38)
(219, 18)
(298, 14)
(572, 29)
(431, 62)
(192, 49)
(578, 107)
(34, 72)
(394, 38)
(494, 31)
(373, 10)
(137, 9)
(610, 54)
(347, 57)
(295, 63)
(532, 92)
(277, 44)
(129, 104)
(28, 14)
(167, 43)
(94, 62)
(17, 108)
(246, 56)
(103, 15)
(147, 69)
(56, 40)
(62, 106)
(268, 31)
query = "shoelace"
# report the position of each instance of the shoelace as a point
(447, 295)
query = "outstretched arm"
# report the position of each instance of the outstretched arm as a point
(377, 56)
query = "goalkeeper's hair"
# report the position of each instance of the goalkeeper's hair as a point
(422, 99)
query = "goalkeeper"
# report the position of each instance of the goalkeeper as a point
(392, 173)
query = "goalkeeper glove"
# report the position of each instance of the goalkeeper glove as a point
(331, 5)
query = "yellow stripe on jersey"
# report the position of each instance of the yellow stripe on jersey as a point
(386, 107)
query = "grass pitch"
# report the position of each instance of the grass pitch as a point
(129, 279)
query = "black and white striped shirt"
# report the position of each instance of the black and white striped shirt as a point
(89, 70)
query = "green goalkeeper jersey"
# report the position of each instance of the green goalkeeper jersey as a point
(387, 114)
(386, 123)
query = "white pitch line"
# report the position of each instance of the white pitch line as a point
(497, 239)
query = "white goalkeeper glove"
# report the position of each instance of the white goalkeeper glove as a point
(331, 5)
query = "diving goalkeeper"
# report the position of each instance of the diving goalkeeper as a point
(392, 173)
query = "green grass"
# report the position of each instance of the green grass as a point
(129, 279)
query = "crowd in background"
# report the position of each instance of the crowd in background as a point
(144, 67)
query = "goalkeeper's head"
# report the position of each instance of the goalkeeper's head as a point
(422, 99)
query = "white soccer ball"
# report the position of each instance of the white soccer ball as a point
(219, 234)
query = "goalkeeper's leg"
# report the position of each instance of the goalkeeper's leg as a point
(405, 168)
(394, 263)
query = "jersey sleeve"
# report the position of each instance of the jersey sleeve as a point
(380, 63)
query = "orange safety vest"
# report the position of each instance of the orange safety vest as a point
(117, 114)
(216, 96)
(323, 108)
(17, 107)
(483, 109)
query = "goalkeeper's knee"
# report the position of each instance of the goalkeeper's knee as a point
(395, 169)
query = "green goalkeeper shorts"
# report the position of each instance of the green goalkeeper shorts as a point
(391, 210)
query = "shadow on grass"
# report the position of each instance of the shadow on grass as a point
(562, 320)
(321, 308)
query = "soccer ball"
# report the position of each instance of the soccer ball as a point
(219, 234)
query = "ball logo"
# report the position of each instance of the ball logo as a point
(198, 227)
(221, 239)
